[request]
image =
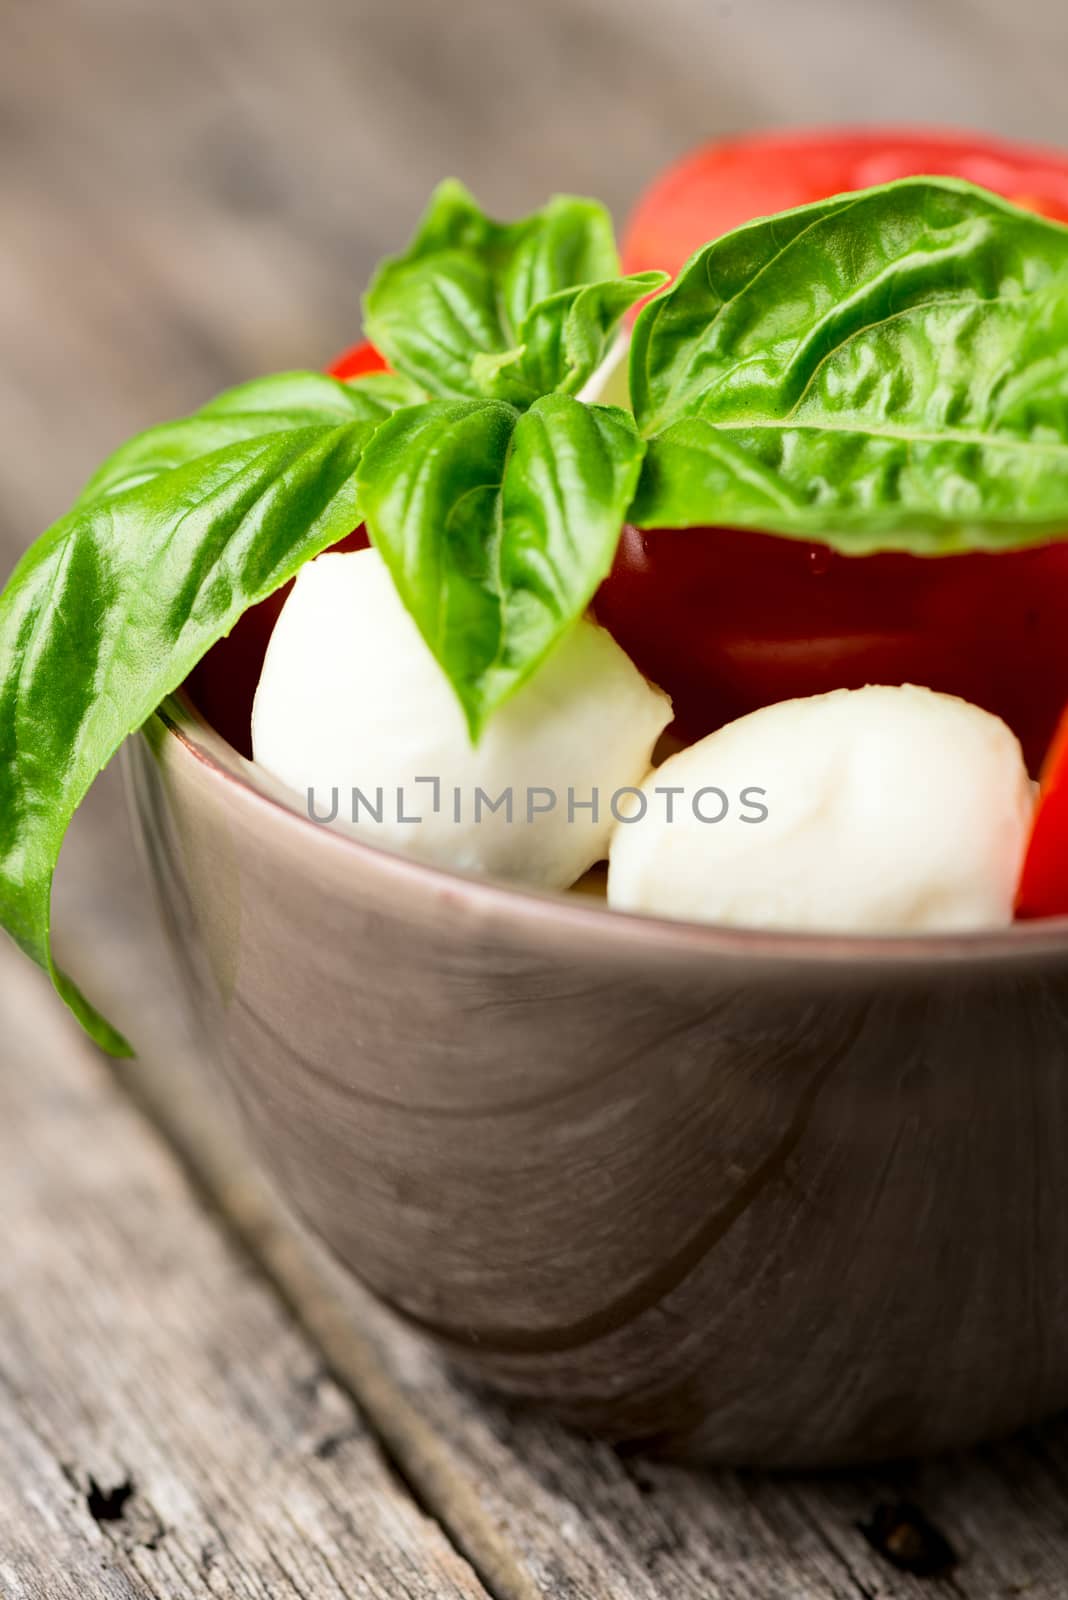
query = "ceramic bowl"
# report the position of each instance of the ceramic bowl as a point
(746, 1197)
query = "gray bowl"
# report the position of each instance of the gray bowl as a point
(751, 1198)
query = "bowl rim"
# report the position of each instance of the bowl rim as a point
(190, 733)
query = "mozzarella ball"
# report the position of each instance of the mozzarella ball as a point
(887, 810)
(351, 699)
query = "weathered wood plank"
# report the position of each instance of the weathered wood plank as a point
(165, 1429)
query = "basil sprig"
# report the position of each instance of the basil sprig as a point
(498, 505)
(476, 309)
(885, 370)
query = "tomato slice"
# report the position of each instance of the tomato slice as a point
(1043, 888)
(722, 185)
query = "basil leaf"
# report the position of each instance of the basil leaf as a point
(888, 369)
(563, 340)
(497, 527)
(466, 287)
(112, 608)
(284, 401)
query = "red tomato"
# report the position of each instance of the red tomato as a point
(1044, 881)
(223, 685)
(728, 621)
(359, 358)
(722, 185)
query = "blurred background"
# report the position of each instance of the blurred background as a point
(194, 193)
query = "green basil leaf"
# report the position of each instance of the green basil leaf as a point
(888, 369)
(112, 608)
(563, 340)
(466, 285)
(277, 404)
(497, 527)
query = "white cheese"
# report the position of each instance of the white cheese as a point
(888, 809)
(350, 698)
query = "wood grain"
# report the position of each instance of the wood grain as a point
(191, 195)
(165, 1429)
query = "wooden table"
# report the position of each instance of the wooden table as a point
(191, 1401)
